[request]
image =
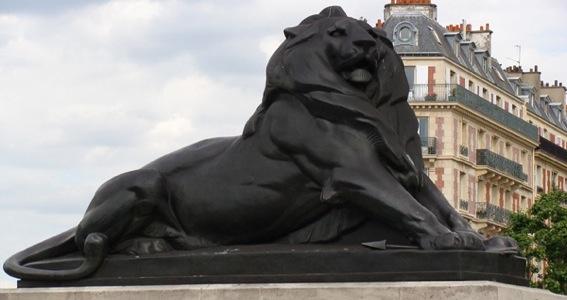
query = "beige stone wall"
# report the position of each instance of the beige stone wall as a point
(457, 175)
(550, 173)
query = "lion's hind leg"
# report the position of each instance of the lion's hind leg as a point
(123, 206)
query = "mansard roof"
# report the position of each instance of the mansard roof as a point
(432, 39)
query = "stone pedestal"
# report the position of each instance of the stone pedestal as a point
(454, 290)
(291, 264)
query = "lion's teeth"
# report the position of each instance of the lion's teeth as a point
(360, 75)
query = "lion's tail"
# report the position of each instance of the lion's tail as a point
(64, 243)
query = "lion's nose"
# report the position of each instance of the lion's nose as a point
(365, 43)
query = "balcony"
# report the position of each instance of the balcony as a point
(457, 93)
(552, 149)
(491, 212)
(428, 145)
(500, 163)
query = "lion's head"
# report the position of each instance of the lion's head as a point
(326, 51)
(331, 52)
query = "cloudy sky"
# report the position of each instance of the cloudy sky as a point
(90, 89)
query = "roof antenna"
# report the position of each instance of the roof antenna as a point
(519, 61)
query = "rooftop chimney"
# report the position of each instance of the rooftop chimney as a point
(379, 24)
(482, 38)
(424, 7)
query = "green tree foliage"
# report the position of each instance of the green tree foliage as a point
(541, 233)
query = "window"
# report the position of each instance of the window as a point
(538, 176)
(464, 186)
(494, 145)
(514, 110)
(494, 194)
(482, 139)
(498, 101)
(405, 33)
(485, 93)
(464, 140)
(410, 76)
(471, 86)
(452, 77)
(423, 128)
(508, 200)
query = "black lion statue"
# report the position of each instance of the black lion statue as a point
(332, 145)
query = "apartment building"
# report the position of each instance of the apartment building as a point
(492, 139)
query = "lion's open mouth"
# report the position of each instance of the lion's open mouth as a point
(358, 75)
(358, 70)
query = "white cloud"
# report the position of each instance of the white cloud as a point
(269, 44)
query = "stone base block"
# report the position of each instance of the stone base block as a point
(454, 290)
(291, 264)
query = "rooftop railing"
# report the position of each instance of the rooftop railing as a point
(500, 163)
(549, 147)
(457, 93)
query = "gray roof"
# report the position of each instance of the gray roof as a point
(432, 39)
(542, 107)
(552, 113)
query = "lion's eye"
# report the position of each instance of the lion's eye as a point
(337, 31)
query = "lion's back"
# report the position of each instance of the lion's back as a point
(192, 156)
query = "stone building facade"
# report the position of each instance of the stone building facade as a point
(492, 139)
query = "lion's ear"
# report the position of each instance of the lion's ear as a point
(291, 32)
(298, 34)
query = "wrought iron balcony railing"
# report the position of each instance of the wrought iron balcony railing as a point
(491, 212)
(428, 145)
(500, 163)
(549, 147)
(464, 205)
(457, 93)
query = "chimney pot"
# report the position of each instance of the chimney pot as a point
(555, 84)
(481, 28)
(487, 26)
(547, 84)
(541, 83)
(531, 70)
(535, 68)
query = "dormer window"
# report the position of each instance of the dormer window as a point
(405, 33)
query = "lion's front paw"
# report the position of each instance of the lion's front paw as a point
(503, 244)
(465, 240)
